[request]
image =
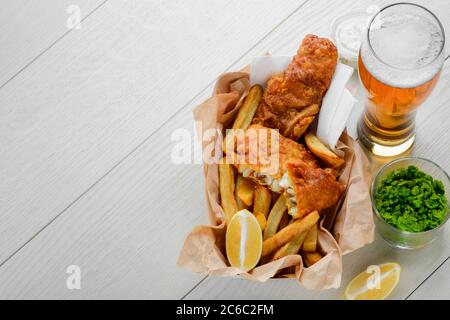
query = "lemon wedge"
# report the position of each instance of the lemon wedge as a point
(376, 283)
(244, 241)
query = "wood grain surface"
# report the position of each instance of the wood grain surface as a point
(86, 119)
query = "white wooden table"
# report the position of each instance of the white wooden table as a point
(86, 116)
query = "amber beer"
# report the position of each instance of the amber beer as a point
(399, 64)
(391, 110)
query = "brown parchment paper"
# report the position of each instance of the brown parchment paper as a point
(345, 228)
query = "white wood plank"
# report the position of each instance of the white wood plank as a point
(288, 43)
(125, 232)
(27, 28)
(98, 93)
(437, 287)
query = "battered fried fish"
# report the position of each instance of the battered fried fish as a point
(292, 99)
(311, 189)
(285, 166)
(262, 155)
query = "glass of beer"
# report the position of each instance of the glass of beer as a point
(400, 60)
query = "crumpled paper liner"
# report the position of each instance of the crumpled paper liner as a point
(350, 222)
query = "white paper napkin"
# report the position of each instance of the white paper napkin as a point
(262, 68)
(337, 104)
(336, 107)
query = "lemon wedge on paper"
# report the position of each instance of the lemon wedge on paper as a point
(376, 283)
(244, 241)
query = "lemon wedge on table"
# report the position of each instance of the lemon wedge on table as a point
(244, 241)
(365, 286)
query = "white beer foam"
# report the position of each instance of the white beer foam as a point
(409, 47)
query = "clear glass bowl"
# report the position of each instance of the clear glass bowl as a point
(397, 237)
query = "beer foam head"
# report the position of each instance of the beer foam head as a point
(403, 49)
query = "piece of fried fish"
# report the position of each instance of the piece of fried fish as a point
(293, 98)
(311, 189)
(285, 166)
(262, 154)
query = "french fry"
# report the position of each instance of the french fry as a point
(310, 243)
(275, 216)
(262, 201)
(288, 276)
(244, 117)
(292, 247)
(226, 187)
(247, 111)
(287, 234)
(261, 220)
(284, 220)
(275, 196)
(321, 151)
(241, 205)
(311, 257)
(245, 190)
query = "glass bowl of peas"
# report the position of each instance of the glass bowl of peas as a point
(410, 202)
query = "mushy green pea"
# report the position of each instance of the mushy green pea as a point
(411, 200)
